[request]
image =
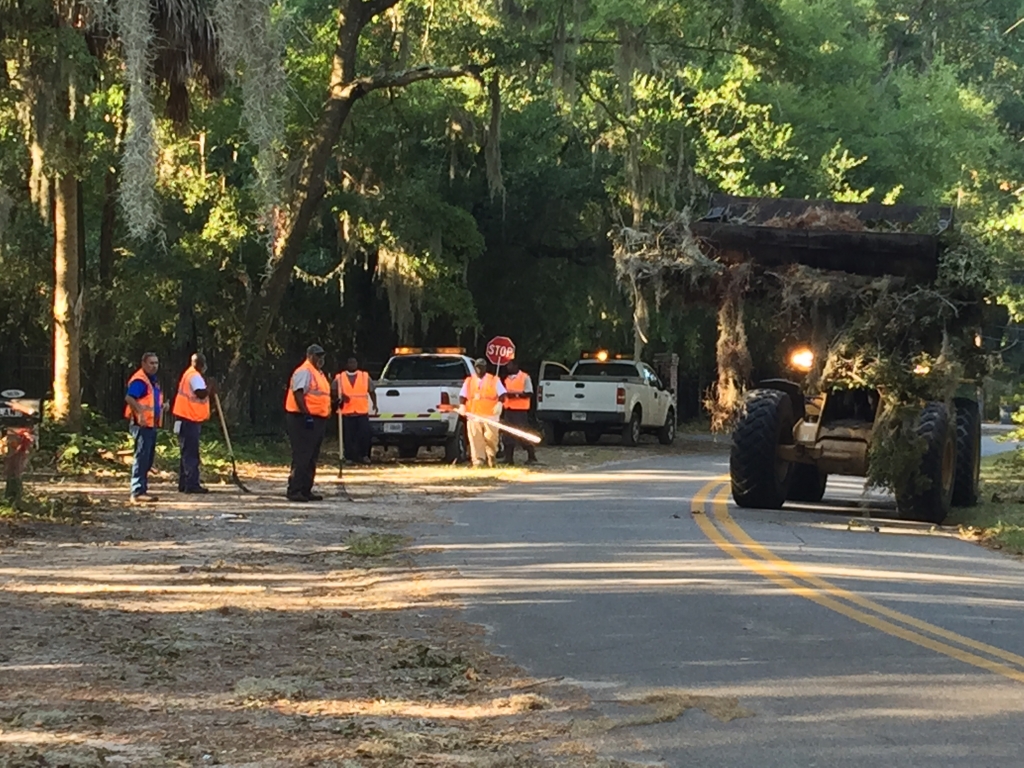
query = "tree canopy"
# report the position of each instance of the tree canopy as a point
(247, 176)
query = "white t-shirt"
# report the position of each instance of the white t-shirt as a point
(464, 392)
(197, 382)
(302, 379)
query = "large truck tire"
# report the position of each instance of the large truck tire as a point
(759, 478)
(967, 483)
(808, 484)
(938, 467)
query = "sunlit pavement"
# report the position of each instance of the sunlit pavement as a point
(874, 643)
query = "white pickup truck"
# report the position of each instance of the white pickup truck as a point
(417, 399)
(600, 396)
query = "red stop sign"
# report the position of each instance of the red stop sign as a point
(500, 350)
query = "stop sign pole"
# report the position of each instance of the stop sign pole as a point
(500, 351)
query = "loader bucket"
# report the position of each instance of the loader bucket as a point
(859, 238)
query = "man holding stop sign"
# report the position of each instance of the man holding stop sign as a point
(480, 400)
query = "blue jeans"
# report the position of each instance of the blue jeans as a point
(145, 450)
(188, 441)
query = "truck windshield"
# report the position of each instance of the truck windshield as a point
(425, 368)
(613, 370)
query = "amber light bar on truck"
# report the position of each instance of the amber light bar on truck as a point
(602, 355)
(429, 350)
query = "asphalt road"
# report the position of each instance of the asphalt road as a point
(848, 646)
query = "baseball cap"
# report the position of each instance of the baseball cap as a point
(314, 349)
(479, 363)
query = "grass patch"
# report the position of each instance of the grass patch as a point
(374, 544)
(998, 519)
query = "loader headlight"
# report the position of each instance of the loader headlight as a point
(801, 359)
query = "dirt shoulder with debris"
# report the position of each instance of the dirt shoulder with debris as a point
(241, 630)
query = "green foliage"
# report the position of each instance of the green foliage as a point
(611, 112)
(998, 520)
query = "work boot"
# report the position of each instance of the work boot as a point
(314, 496)
(298, 497)
(197, 489)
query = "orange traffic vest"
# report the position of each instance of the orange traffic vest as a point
(317, 397)
(513, 384)
(482, 394)
(147, 401)
(186, 405)
(357, 393)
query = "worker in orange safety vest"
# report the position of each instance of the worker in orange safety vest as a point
(307, 406)
(144, 411)
(481, 395)
(516, 413)
(191, 408)
(354, 392)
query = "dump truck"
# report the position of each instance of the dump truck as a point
(792, 432)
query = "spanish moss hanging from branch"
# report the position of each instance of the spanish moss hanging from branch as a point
(138, 183)
(403, 284)
(251, 48)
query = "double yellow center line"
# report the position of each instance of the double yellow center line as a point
(710, 509)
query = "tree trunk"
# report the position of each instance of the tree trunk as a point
(67, 306)
(344, 90)
(263, 307)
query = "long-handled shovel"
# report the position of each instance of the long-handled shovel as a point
(227, 440)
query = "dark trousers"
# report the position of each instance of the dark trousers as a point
(519, 420)
(356, 435)
(145, 450)
(305, 440)
(188, 467)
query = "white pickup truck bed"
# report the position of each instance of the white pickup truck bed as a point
(598, 397)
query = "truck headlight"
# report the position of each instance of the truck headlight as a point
(802, 359)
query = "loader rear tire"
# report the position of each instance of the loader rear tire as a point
(759, 478)
(967, 485)
(938, 468)
(808, 484)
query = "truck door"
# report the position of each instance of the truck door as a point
(655, 400)
(549, 371)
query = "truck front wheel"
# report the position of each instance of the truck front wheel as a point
(455, 447)
(937, 471)
(631, 430)
(667, 433)
(760, 479)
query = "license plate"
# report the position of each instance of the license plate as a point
(392, 427)
(579, 416)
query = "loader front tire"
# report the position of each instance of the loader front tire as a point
(760, 479)
(808, 484)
